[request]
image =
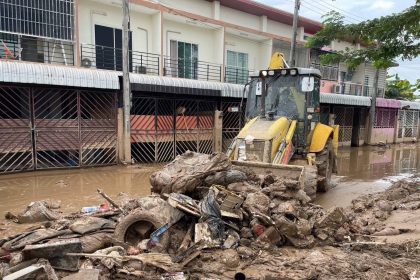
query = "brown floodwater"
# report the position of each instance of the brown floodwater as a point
(369, 169)
(74, 188)
(361, 170)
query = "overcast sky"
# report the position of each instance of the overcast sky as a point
(355, 11)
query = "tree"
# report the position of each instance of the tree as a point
(383, 39)
(400, 89)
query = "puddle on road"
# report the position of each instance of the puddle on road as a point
(74, 188)
(370, 169)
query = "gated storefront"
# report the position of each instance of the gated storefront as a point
(350, 113)
(50, 127)
(233, 120)
(408, 122)
(162, 128)
(385, 120)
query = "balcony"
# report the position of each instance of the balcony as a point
(103, 57)
(356, 89)
(236, 75)
(25, 48)
(192, 69)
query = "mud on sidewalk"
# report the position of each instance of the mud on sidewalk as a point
(211, 219)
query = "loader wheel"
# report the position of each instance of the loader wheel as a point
(139, 225)
(310, 186)
(325, 163)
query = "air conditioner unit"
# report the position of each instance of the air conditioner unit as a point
(139, 69)
(86, 62)
(337, 88)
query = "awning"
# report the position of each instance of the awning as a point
(343, 99)
(410, 105)
(387, 103)
(195, 86)
(47, 74)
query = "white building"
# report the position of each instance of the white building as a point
(220, 41)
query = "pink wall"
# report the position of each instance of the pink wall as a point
(327, 86)
(383, 135)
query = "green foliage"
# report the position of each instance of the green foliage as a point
(400, 89)
(383, 39)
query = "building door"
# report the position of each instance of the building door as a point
(184, 59)
(108, 47)
(237, 67)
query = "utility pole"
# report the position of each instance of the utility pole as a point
(372, 111)
(294, 36)
(126, 85)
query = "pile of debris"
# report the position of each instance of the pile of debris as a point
(206, 218)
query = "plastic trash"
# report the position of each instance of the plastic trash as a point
(210, 213)
(94, 209)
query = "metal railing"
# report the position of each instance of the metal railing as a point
(356, 89)
(24, 48)
(237, 75)
(328, 72)
(192, 69)
(103, 57)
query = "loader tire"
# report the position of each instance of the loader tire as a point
(138, 225)
(310, 186)
(325, 165)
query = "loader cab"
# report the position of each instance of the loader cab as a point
(290, 92)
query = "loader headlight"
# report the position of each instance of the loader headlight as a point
(293, 72)
(310, 117)
(283, 72)
(264, 73)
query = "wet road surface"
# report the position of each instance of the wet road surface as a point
(361, 170)
(370, 169)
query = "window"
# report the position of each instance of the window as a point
(108, 45)
(237, 67)
(366, 90)
(184, 59)
(43, 18)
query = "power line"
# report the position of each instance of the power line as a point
(359, 18)
(326, 10)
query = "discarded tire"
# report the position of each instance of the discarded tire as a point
(139, 225)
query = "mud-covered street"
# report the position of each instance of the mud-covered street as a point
(366, 227)
(361, 170)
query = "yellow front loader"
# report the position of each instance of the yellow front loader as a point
(283, 133)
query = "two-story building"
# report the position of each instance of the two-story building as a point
(61, 61)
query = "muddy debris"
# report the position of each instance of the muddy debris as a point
(210, 219)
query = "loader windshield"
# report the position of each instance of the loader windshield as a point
(283, 98)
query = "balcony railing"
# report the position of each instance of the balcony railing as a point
(192, 69)
(24, 48)
(328, 72)
(356, 89)
(237, 75)
(103, 57)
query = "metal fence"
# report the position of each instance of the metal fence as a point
(192, 69)
(233, 121)
(236, 75)
(344, 118)
(103, 57)
(24, 48)
(408, 124)
(162, 128)
(43, 128)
